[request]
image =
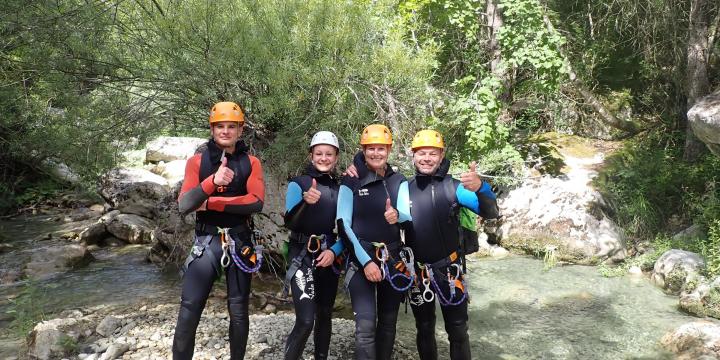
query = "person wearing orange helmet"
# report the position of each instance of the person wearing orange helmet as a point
(372, 209)
(224, 186)
(435, 239)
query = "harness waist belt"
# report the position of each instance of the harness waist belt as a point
(212, 229)
(445, 261)
(390, 247)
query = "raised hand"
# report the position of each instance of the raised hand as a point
(224, 175)
(351, 171)
(470, 179)
(391, 215)
(312, 196)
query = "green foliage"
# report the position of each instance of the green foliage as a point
(68, 344)
(647, 183)
(530, 47)
(710, 249)
(26, 309)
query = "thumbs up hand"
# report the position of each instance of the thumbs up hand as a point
(312, 196)
(391, 215)
(470, 179)
(224, 175)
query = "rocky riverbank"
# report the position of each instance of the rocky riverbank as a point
(146, 332)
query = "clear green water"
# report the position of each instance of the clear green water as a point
(519, 311)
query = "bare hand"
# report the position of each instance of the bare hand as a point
(312, 196)
(325, 258)
(372, 272)
(351, 171)
(224, 175)
(391, 215)
(470, 179)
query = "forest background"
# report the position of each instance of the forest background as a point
(83, 81)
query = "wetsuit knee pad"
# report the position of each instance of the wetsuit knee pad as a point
(194, 307)
(457, 330)
(238, 307)
(365, 328)
(425, 327)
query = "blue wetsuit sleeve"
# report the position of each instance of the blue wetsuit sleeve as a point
(344, 217)
(403, 203)
(337, 248)
(293, 197)
(482, 202)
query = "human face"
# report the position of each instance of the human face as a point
(427, 159)
(376, 156)
(226, 133)
(324, 157)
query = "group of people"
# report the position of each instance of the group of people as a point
(394, 239)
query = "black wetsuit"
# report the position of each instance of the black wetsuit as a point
(313, 288)
(228, 208)
(434, 239)
(361, 220)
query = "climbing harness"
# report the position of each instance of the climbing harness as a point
(253, 254)
(315, 245)
(455, 281)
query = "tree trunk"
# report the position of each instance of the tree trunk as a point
(605, 115)
(495, 21)
(698, 83)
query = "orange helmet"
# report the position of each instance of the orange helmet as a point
(376, 134)
(226, 111)
(429, 138)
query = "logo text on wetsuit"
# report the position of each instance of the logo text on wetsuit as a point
(363, 192)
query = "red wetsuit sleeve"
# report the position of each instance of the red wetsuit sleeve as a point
(193, 191)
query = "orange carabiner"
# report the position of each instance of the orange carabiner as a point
(318, 244)
(221, 189)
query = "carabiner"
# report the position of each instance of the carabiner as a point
(428, 295)
(318, 242)
(225, 259)
(381, 252)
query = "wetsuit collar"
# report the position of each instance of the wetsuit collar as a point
(216, 151)
(313, 172)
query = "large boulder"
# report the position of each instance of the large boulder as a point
(701, 297)
(704, 118)
(166, 148)
(561, 210)
(675, 268)
(696, 340)
(47, 338)
(47, 261)
(134, 191)
(173, 171)
(131, 228)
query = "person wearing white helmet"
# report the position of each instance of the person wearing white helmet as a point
(310, 207)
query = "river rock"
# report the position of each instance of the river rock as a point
(108, 325)
(173, 171)
(131, 228)
(166, 148)
(701, 297)
(135, 197)
(696, 340)
(674, 268)
(691, 234)
(704, 119)
(114, 351)
(45, 340)
(46, 261)
(93, 234)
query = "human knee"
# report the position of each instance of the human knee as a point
(365, 328)
(238, 307)
(457, 329)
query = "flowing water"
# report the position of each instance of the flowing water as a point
(517, 311)
(520, 311)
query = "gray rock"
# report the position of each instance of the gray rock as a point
(47, 261)
(704, 119)
(695, 340)
(139, 197)
(114, 351)
(173, 171)
(93, 234)
(45, 338)
(131, 228)
(675, 267)
(166, 148)
(108, 325)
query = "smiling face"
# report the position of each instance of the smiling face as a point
(324, 157)
(226, 133)
(376, 156)
(427, 159)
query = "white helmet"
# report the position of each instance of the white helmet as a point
(324, 137)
